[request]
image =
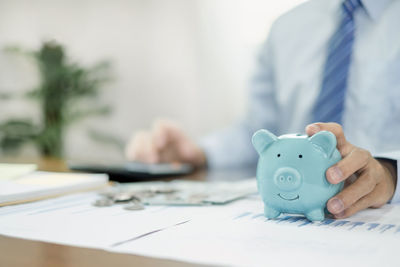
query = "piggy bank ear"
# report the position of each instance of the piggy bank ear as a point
(262, 139)
(324, 140)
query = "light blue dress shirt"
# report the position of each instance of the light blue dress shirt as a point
(287, 81)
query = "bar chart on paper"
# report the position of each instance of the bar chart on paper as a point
(348, 225)
(235, 234)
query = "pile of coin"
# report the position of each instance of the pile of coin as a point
(111, 198)
(133, 199)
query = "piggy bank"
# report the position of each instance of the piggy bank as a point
(291, 172)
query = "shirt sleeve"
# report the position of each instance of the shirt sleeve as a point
(393, 155)
(232, 146)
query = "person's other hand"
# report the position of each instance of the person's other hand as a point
(165, 142)
(369, 183)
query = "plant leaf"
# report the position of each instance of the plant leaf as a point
(14, 133)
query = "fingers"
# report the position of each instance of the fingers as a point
(166, 142)
(363, 203)
(159, 136)
(375, 199)
(142, 148)
(350, 195)
(373, 188)
(356, 160)
(332, 127)
(165, 132)
(150, 146)
(168, 135)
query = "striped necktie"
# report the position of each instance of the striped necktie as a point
(330, 102)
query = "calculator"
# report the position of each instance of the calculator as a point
(132, 171)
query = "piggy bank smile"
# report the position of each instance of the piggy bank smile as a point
(288, 198)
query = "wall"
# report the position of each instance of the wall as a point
(188, 60)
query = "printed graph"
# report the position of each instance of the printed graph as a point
(301, 221)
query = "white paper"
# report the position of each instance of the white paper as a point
(12, 171)
(72, 220)
(44, 184)
(236, 234)
(247, 238)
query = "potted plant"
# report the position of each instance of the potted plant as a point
(63, 84)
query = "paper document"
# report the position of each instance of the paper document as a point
(73, 220)
(247, 238)
(236, 234)
(12, 171)
(38, 185)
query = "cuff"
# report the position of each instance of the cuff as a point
(395, 156)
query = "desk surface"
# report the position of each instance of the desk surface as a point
(20, 252)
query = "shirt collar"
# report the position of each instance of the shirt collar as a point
(375, 8)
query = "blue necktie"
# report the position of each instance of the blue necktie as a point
(330, 102)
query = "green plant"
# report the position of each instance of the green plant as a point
(63, 84)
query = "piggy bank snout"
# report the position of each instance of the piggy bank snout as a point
(287, 179)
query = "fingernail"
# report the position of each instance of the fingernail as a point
(336, 206)
(314, 128)
(335, 174)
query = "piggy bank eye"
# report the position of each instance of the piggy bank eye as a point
(300, 156)
(278, 155)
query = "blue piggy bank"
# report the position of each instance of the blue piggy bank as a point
(291, 172)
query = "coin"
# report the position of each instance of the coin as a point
(103, 202)
(135, 205)
(135, 198)
(144, 194)
(165, 191)
(122, 197)
(108, 194)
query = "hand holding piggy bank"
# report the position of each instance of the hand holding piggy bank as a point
(291, 172)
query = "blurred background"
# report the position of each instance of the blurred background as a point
(128, 63)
